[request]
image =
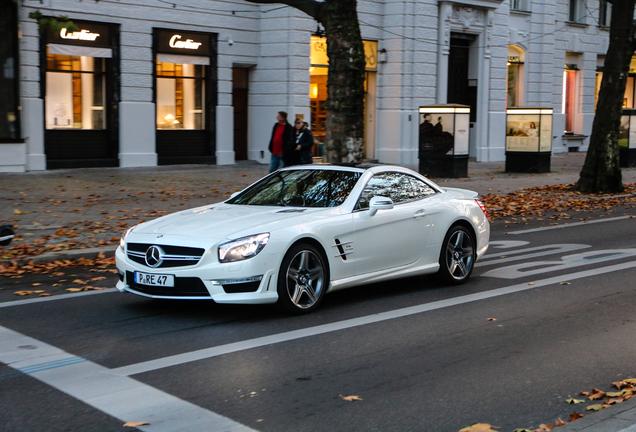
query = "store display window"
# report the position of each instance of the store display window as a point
(180, 95)
(75, 91)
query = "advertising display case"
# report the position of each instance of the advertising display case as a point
(528, 139)
(627, 139)
(443, 140)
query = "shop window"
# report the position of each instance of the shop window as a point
(75, 92)
(514, 93)
(520, 5)
(9, 85)
(604, 13)
(180, 95)
(570, 80)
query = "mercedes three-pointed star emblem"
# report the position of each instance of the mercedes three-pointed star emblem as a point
(154, 256)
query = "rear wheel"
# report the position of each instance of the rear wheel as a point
(302, 279)
(457, 257)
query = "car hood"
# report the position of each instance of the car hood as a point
(225, 220)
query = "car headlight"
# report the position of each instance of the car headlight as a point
(242, 248)
(122, 240)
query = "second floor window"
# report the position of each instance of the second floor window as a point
(604, 13)
(520, 5)
(576, 11)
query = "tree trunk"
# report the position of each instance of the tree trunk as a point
(344, 137)
(601, 171)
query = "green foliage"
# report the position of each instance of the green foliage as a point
(54, 24)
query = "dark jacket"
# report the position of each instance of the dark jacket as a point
(289, 130)
(291, 156)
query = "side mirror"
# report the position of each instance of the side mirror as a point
(379, 203)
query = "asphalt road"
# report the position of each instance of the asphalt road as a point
(547, 314)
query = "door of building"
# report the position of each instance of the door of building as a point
(461, 89)
(240, 104)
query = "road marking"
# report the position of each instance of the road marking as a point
(56, 297)
(206, 353)
(569, 225)
(537, 251)
(534, 268)
(118, 396)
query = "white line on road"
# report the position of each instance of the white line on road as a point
(56, 297)
(118, 396)
(569, 225)
(355, 322)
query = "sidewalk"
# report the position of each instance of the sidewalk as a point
(65, 214)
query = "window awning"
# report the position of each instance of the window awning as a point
(76, 50)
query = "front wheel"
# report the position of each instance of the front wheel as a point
(457, 257)
(302, 279)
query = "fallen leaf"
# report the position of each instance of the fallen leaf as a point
(492, 319)
(18, 212)
(573, 401)
(559, 422)
(596, 394)
(530, 283)
(544, 428)
(351, 398)
(36, 284)
(565, 283)
(135, 424)
(45, 295)
(576, 416)
(596, 407)
(479, 427)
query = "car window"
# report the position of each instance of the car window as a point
(300, 188)
(394, 185)
(420, 188)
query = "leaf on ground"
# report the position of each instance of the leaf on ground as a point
(619, 384)
(23, 293)
(573, 401)
(558, 422)
(351, 398)
(522, 430)
(596, 394)
(492, 319)
(596, 407)
(565, 283)
(544, 428)
(614, 394)
(18, 212)
(45, 295)
(576, 416)
(135, 424)
(479, 427)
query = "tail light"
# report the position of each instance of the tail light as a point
(482, 207)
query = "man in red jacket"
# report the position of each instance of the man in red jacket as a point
(280, 136)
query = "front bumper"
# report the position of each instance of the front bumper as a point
(207, 280)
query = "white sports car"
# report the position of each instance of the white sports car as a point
(304, 231)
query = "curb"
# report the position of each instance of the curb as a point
(617, 418)
(75, 254)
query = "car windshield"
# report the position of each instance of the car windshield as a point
(300, 188)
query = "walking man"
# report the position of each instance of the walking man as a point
(280, 136)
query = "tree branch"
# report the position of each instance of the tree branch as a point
(310, 7)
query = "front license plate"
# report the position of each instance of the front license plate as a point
(154, 279)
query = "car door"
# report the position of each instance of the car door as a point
(390, 238)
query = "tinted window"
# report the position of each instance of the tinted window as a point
(396, 186)
(421, 189)
(300, 188)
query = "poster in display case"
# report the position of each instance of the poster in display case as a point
(528, 139)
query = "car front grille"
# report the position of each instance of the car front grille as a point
(183, 287)
(175, 256)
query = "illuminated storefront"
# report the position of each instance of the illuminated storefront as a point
(318, 91)
(81, 92)
(185, 96)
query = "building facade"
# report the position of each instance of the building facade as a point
(157, 82)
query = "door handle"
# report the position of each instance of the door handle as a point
(419, 213)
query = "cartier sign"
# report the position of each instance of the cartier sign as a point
(182, 42)
(84, 35)
(186, 44)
